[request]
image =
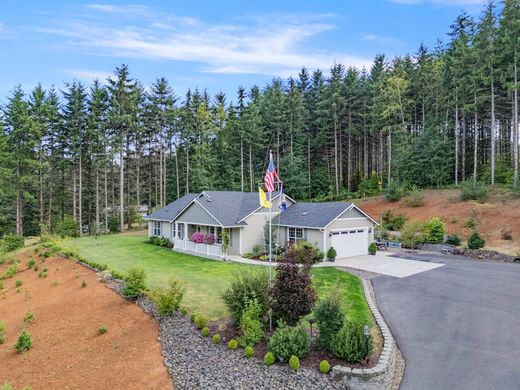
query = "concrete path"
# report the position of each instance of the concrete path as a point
(458, 325)
(384, 263)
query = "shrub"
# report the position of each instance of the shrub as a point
(31, 263)
(372, 248)
(200, 321)
(184, 311)
(473, 190)
(216, 339)
(349, 343)
(18, 283)
(329, 318)
(324, 367)
(304, 252)
(287, 341)
(168, 299)
(370, 187)
(7, 386)
(209, 239)
(193, 316)
(250, 324)
(258, 250)
(24, 342)
(116, 275)
(83, 284)
(10, 271)
(2, 332)
(205, 332)
(269, 359)
(29, 318)
(411, 235)
(102, 329)
(197, 237)
(114, 224)
(470, 223)
(134, 283)
(475, 241)
(247, 255)
(294, 363)
(434, 230)
(245, 286)
(331, 253)
(249, 351)
(506, 234)
(67, 228)
(393, 222)
(233, 344)
(415, 198)
(292, 293)
(453, 239)
(12, 242)
(159, 241)
(393, 191)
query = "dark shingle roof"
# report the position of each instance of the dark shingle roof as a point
(305, 214)
(172, 210)
(229, 207)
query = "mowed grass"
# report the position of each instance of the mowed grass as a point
(203, 279)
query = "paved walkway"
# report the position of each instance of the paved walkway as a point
(384, 263)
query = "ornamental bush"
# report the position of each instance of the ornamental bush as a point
(250, 324)
(200, 321)
(473, 190)
(475, 241)
(245, 286)
(292, 293)
(294, 363)
(324, 367)
(184, 311)
(209, 239)
(134, 283)
(393, 222)
(416, 197)
(168, 299)
(349, 343)
(393, 191)
(249, 352)
(205, 332)
(329, 318)
(453, 239)
(197, 237)
(269, 359)
(305, 253)
(67, 228)
(24, 342)
(372, 248)
(331, 253)
(12, 242)
(434, 230)
(287, 341)
(232, 344)
(216, 339)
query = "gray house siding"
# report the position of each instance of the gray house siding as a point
(166, 229)
(234, 247)
(196, 214)
(352, 213)
(253, 232)
(315, 237)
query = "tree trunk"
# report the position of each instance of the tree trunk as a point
(456, 144)
(492, 129)
(97, 201)
(389, 154)
(40, 176)
(74, 194)
(463, 163)
(515, 121)
(336, 173)
(241, 165)
(138, 174)
(475, 139)
(161, 200)
(251, 178)
(19, 216)
(177, 172)
(187, 169)
(121, 188)
(80, 201)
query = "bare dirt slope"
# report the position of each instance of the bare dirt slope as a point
(499, 212)
(67, 351)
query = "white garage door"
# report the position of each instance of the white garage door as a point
(350, 242)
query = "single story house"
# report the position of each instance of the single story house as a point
(342, 225)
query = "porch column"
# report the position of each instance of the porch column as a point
(186, 230)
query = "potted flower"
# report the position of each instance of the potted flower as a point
(372, 248)
(331, 254)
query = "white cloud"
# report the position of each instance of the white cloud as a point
(274, 44)
(86, 74)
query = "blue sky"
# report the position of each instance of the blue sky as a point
(217, 45)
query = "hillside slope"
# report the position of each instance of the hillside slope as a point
(501, 211)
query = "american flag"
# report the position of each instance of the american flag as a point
(271, 175)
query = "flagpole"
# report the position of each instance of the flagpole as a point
(270, 255)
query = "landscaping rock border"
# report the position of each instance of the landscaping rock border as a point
(380, 376)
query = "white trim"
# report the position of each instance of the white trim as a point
(260, 207)
(300, 226)
(156, 219)
(365, 214)
(349, 228)
(352, 205)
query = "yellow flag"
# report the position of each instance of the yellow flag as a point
(263, 199)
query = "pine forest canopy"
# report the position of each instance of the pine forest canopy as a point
(434, 118)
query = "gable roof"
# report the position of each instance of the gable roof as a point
(229, 207)
(315, 215)
(172, 210)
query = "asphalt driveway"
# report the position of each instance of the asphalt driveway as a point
(458, 326)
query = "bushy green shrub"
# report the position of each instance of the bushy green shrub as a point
(159, 241)
(287, 341)
(184, 311)
(349, 343)
(12, 242)
(216, 339)
(2, 332)
(18, 283)
(250, 324)
(329, 318)
(257, 251)
(193, 316)
(31, 263)
(247, 285)
(10, 271)
(24, 342)
(294, 363)
(324, 367)
(304, 252)
(331, 253)
(205, 332)
(453, 239)
(232, 344)
(200, 321)
(67, 228)
(412, 234)
(471, 223)
(168, 299)
(393, 222)
(475, 241)
(393, 191)
(134, 283)
(434, 230)
(102, 329)
(269, 359)
(29, 317)
(415, 198)
(117, 275)
(372, 248)
(249, 351)
(370, 187)
(114, 224)
(473, 190)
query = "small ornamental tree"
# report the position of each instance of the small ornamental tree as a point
(475, 241)
(197, 237)
(209, 239)
(434, 230)
(329, 318)
(292, 293)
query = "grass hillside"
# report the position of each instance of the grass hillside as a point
(499, 212)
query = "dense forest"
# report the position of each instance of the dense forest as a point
(438, 117)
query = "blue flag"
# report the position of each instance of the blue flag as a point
(283, 202)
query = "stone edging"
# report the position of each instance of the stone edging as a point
(379, 376)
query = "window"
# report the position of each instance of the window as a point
(218, 234)
(295, 234)
(180, 231)
(174, 230)
(156, 228)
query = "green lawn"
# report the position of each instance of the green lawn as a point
(204, 279)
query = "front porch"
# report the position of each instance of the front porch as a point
(213, 251)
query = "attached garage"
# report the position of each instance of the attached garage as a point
(341, 225)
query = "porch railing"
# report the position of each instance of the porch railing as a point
(203, 249)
